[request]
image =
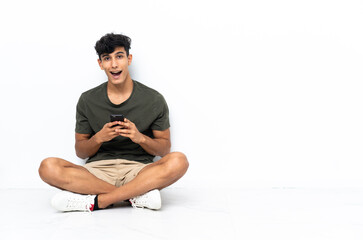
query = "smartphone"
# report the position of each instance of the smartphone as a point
(117, 117)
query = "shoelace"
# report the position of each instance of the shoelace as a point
(139, 202)
(80, 203)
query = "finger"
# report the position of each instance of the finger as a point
(128, 121)
(124, 131)
(111, 124)
(117, 128)
(125, 124)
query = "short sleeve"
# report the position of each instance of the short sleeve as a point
(162, 112)
(82, 124)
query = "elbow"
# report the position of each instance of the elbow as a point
(166, 150)
(80, 154)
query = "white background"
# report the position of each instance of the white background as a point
(261, 93)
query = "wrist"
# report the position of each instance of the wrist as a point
(142, 139)
(97, 139)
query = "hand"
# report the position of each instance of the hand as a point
(108, 132)
(129, 129)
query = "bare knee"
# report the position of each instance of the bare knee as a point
(178, 162)
(49, 168)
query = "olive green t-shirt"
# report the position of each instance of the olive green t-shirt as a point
(145, 107)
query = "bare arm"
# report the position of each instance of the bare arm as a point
(158, 146)
(87, 146)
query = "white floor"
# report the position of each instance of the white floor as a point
(275, 213)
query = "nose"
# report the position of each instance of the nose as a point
(114, 63)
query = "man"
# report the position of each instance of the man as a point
(120, 153)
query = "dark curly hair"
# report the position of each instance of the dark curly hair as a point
(109, 42)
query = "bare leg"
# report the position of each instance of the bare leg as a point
(68, 176)
(157, 175)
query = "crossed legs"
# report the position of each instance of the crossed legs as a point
(68, 176)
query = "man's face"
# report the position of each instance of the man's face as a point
(116, 65)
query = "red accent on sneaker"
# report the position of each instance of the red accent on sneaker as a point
(92, 207)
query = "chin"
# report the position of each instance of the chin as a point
(117, 81)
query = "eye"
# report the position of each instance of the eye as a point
(106, 58)
(120, 56)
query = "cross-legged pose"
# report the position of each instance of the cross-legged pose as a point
(120, 148)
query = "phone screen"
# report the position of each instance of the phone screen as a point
(117, 117)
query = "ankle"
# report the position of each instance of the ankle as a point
(101, 202)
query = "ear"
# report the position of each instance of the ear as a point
(100, 64)
(129, 58)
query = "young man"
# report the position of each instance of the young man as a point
(120, 153)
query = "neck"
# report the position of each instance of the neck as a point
(126, 86)
(120, 92)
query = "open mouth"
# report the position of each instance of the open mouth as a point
(116, 74)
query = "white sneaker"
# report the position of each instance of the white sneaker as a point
(151, 200)
(67, 201)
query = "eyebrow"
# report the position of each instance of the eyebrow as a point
(120, 52)
(107, 54)
(104, 55)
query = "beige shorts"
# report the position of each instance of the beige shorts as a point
(115, 171)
